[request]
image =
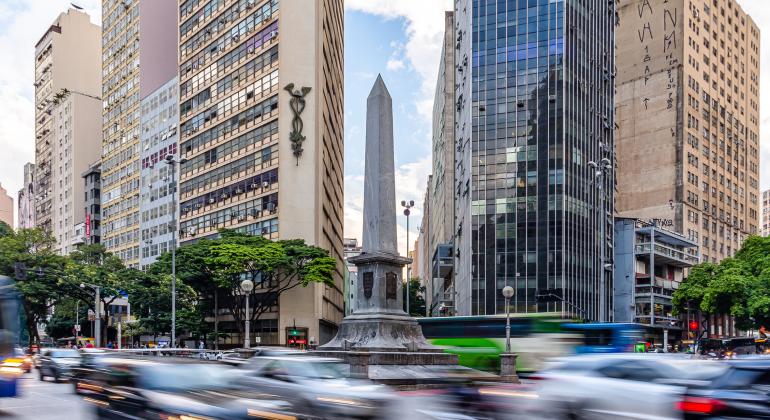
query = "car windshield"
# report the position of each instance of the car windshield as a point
(186, 376)
(65, 354)
(318, 370)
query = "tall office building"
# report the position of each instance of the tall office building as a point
(688, 120)
(261, 92)
(533, 106)
(139, 47)
(76, 144)
(6, 207)
(765, 209)
(67, 84)
(26, 198)
(158, 201)
(440, 191)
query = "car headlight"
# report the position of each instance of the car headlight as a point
(342, 401)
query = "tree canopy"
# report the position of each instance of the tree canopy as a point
(209, 272)
(738, 286)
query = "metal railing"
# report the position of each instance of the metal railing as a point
(644, 248)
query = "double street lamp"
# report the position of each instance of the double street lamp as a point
(601, 170)
(407, 205)
(172, 162)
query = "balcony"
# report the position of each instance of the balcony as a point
(667, 254)
(443, 261)
(645, 291)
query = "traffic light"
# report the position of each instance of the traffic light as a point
(293, 333)
(693, 325)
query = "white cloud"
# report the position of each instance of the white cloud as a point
(395, 65)
(424, 31)
(22, 23)
(760, 13)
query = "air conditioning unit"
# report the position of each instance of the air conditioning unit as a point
(192, 231)
(254, 186)
(212, 200)
(265, 185)
(186, 209)
(250, 4)
(198, 205)
(238, 190)
(255, 213)
(265, 231)
(225, 195)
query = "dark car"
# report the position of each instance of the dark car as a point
(57, 363)
(742, 392)
(124, 388)
(87, 376)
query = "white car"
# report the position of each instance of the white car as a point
(619, 386)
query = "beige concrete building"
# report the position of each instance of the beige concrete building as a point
(67, 66)
(6, 207)
(261, 127)
(687, 109)
(138, 49)
(76, 140)
(765, 227)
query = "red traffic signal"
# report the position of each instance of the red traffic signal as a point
(693, 325)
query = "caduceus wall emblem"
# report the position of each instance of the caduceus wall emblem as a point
(297, 105)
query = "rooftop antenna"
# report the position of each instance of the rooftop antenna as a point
(76, 6)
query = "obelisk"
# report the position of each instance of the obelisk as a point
(378, 321)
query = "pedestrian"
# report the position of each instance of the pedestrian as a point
(89, 345)
(110, 345)
(201, 346)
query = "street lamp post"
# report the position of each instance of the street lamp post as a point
(98, 313)
(247, 286)
(172, 162)
(600, 170)
(407, 205)
(507, 294)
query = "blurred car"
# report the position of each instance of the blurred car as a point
(26, 359)
(316, 386)
(743, 392)
(620, 386)
(86, 376)
(57, 363)
(176, 389)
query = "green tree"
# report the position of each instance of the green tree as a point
(31, 250)
(416, 297)
(738, 286)
(275, 267)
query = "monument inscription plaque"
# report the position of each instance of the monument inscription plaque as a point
(368, 284)
(391, 285)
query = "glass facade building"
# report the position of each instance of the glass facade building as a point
(534, 105)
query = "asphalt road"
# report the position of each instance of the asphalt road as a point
(44, 400)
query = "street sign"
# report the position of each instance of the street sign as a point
(91, 315)
(257, 339)
(77, 328)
